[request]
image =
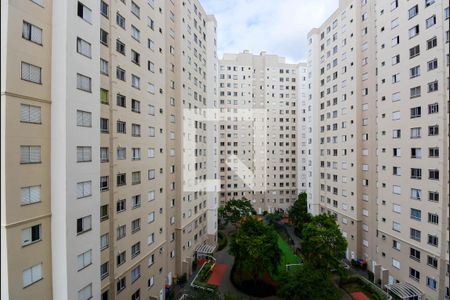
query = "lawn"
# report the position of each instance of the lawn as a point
(287, 256)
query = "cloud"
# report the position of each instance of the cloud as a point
(278, 27)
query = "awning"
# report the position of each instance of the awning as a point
(205, 249)
(405, 290)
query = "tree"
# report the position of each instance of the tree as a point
(274, 217)
(255, 248)
(306, 283)
(298, 213)
(235, 209)
(323, 245)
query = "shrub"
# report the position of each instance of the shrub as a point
(222, 240)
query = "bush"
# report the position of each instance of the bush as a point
(222, 240)
(256, 288)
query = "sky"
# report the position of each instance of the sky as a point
(275, 26)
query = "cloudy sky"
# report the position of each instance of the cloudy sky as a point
(276, 26)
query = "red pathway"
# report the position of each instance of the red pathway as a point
(360, 296)
(217, 274)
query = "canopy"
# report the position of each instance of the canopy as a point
(405, 290)
(205, 249)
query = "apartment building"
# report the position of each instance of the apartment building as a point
(413, 143)
(342, 93)
(379, 91)
(94, 203)
(259, 102)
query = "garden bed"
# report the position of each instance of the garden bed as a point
(356, 284)
(201, 280)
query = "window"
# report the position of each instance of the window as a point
(32, 33)
(84, 118)
(151, 217)
(432, 261)
(431, 283)
(433, 240)
(433, 174)
(104, 9)
(135, 225)
(104, 241)
(415, 234)
(396, 245)
(413, 31)
(416, 153)
(430, 21)
(151, 44)
(30, 154)
(414, 51)
(135, 177)
(414, 254)
(151, 131)
(121, 284)
(416, 194)
(83, 47)
(121, 153)
(433, 152)
(31, 235)
(121, 179)
(84, 83)
(103, 37)
(121, 100)
(135, 81)
(151, 88)
(151, 152)
(84, 224)
(433, 130)
(135, 9)
(104, 67)
(415, 132)
(151, 66)
(135, 249)
(120, 47)
(416, 214)
(104, 212)
(85, 293)
(151, 110)
(433, 218)
(412, 12)
(31, 275)
(414, 274)
(414, 72)
(151, 195)
(135, 106)
(396, 226)
(30, 195)
(84, 259)
(432, 64)
(136, 295)
(395, 41)
(396, 59)
(416, 112)
(433, 86)
(121, 232)
(396, 115)
(84, 12)
(104, 270)
(431, 43)
(415, 92)
(151, 239)
(151, 23)
(120, 73)
(84, 154)
(104, 125)
(30, 114)
(31, 73)
(135, 130)
(104, 96)
(135, 33)
(396, 263)
(84, 189)
(121, 258)
(136, 200)
(104, 183)
(433, 196)
(120, 20)
(121, 205)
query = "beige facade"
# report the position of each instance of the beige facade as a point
(379, 90)
(93, 190)
(258, 100)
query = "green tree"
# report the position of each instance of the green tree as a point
(274, 217)
(323, 245)
(306, 283)
(255, 248)
(234, 210)
(298, 213)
